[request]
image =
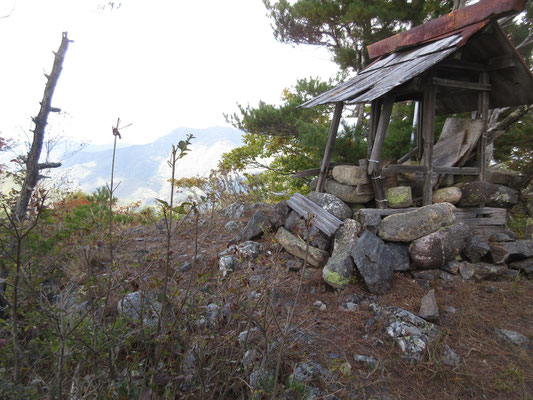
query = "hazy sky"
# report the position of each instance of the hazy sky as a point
(158, 64)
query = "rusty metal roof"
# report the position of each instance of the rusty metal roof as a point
(457, 55)
(389, 72)
(481, 11)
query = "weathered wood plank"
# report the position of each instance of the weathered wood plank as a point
(482, 216)
(484, 99)
(322, 219)
(407, 156)
(428, 130)
(375, 155)
(381, 132)
(329, 146)
(456, 170)
(486, 87)
(436, 169)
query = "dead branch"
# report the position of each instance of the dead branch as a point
(49, 165)
(32, 160)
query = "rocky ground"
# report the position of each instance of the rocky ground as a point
(462, 331)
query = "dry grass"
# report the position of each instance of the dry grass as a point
(488, 370)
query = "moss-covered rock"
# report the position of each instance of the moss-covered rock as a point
(399, 197)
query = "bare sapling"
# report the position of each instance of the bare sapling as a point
(177, 153)
(18, 230)
(111, 188)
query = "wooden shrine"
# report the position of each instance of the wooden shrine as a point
(460, 62)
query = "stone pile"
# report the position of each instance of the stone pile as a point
(350, 184)
(426, 241)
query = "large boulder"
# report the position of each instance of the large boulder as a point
(505, 252)
(331, 204)
(347, 193)
(477, 193)
(412, 225)
(339, 269)
(374, 261)
(348, 174)
(450, 195)
(297, 247)
(399, 197)
(437, 248)
(257, 225)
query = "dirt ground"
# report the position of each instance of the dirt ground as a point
(469, 313)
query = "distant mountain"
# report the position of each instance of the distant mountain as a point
(142, 170)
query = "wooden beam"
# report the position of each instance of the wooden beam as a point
(407, 156)
(462, 65)
(437, 170)
(381, 132)
(502, 62)
(329, 146)
(456, 170)
(375, 112)
(375, 154)
(462, 84)
(428, 131)
(483, 110)
(419, 143)
(493, 64)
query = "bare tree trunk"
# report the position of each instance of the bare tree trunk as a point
(32, 160)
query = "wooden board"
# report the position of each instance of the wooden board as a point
(322, 219)
(484, 216)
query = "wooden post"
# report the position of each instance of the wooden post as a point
(381, 132)
(419, 142)
(329, 147)
(428, 135)
(483, 111)
(379, 128)
(375, 112)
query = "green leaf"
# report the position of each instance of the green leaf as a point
(162, 202)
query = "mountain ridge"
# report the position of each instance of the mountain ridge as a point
(142, 169)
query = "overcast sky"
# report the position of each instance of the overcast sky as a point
(158, 64)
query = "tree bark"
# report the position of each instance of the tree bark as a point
(40, 121)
